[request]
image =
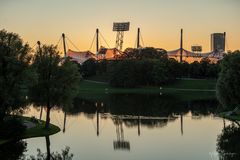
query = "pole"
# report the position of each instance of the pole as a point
(181, 124)
(139, 123)
(138, 38)
(64, 45)
(97, 40)
(39, 44)
(41, 113)
(39, 48)
(64, 122)
(97, 121)
(181, 45)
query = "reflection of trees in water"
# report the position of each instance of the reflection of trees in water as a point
(13, 150)
(228, 143)
(203, 107)
(135, 110)
(143, 105)
(149, 123)
(63, 155)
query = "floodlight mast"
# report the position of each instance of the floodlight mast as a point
(120, 28)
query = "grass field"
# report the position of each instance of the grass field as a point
(185, 89)
(37, 131)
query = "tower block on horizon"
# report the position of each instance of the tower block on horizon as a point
(120, 28)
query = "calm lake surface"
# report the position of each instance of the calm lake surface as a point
(133, 127)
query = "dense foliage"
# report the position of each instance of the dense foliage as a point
(228, 84)
(132, 73)
(11, 128)
(13, 150)
(228, 144)
(144, 53)
(88, 68)
(58, 79)
(148, 66)
(15, 75)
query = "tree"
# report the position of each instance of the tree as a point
(88, 68)
(13, 150)
(15, 75)
(228, 144)
(123, 74)
(228, 84)
(58, 79)
(144, 53)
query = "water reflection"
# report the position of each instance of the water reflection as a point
(149, 111)
(64, 155)
(145, 124)
(120, 143)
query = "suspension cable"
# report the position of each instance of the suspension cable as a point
(142, 40)
(104, 39)
(34, 45)
(59, 40)
(92, 42)
(72, 44)
(135, 43)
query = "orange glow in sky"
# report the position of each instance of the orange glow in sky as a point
(160, 21)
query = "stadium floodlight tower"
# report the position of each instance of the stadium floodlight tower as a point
(120, 28)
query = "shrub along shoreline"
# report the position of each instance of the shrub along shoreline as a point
(38, 130)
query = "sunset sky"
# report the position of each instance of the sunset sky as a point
(159, 20)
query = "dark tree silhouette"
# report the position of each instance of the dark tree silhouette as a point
(58, 79)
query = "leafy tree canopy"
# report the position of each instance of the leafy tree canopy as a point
(15, 75)
(58, 79)
(228, 84)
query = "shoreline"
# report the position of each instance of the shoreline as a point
(37, 131)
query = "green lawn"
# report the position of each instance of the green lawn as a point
(186, 89)
(207, 84)
(37, 131)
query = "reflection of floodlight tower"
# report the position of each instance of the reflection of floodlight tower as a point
(120, 28)
(120, 143)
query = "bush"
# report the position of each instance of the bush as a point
(124, 74)
(11, 128)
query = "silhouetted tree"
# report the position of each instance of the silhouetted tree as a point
(144, 53)
(13, 150)
(228, 84)
(15, 75)
(88, 68)
(228, 144)
(58, 79)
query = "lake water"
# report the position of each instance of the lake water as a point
(133, 127)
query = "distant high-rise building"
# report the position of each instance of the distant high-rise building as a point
(218, 41)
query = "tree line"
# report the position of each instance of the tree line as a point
(148, 66)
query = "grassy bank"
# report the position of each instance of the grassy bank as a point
(179, 85)
(230, 117)
(186, 89)
(37, 131)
